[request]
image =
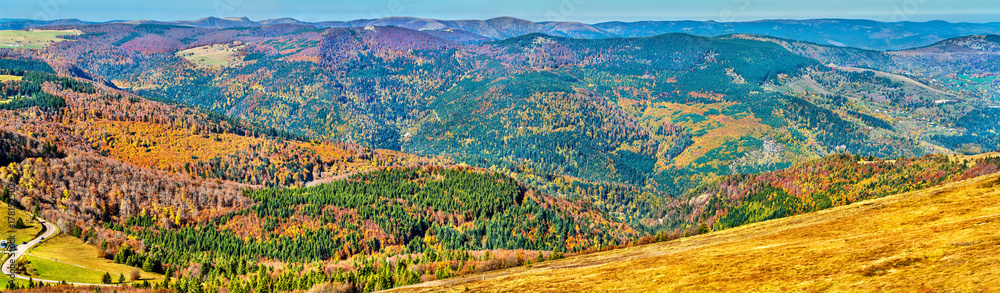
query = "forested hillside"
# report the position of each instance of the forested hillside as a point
(413, 224)
(833, 181)
(934, 239)
(661, 113)
(643, 119)
(160, 186)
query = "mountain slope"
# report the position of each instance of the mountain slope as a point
(864, 34)
(493, 29)
(952, 84)
(137, 175)
(939, 239)
(662, 112)
(981, 44)
(578, 144)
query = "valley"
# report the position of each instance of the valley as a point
(411, 154)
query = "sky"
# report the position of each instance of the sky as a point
(587, 11)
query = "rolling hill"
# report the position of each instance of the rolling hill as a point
(938, 81)
(938, 239)
(283, 155)
(658, 115)
(130, 176)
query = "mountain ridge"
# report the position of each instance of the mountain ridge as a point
(866, 34)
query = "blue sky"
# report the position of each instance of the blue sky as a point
(588, 11)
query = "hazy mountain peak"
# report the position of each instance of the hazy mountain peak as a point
(242, 19)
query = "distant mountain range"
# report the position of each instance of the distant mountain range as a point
(651, 112)
(865, 34)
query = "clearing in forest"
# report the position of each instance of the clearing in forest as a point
(67, 258)
(33, 39)
(213, 55)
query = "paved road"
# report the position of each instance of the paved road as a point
(50, 230)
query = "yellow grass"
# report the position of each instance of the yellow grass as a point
(21, 234)
(33, 39)
(9, 77)
(211, 56)
(68, 258)
(973, 158)
(942, 239)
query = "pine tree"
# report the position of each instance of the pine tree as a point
(106, 279)
(148, 265)
(166, 276)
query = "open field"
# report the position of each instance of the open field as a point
(929, 91)
(53, 270)
(210, 56)
(67, 258)
(807, 85)
(942, 239)
(973, 158)
(21, 234)
(33, 39)
(9, 77)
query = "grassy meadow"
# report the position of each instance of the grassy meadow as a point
(9, 77)
(67, 258)
(32, 230)
(211, 56)
(33, 39)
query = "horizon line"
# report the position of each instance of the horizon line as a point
(499, 17)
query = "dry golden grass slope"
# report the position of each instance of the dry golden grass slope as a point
(944, 239)
(9, 77)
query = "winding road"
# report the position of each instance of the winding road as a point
(50, 230)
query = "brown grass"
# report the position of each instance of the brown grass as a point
(942, 239)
